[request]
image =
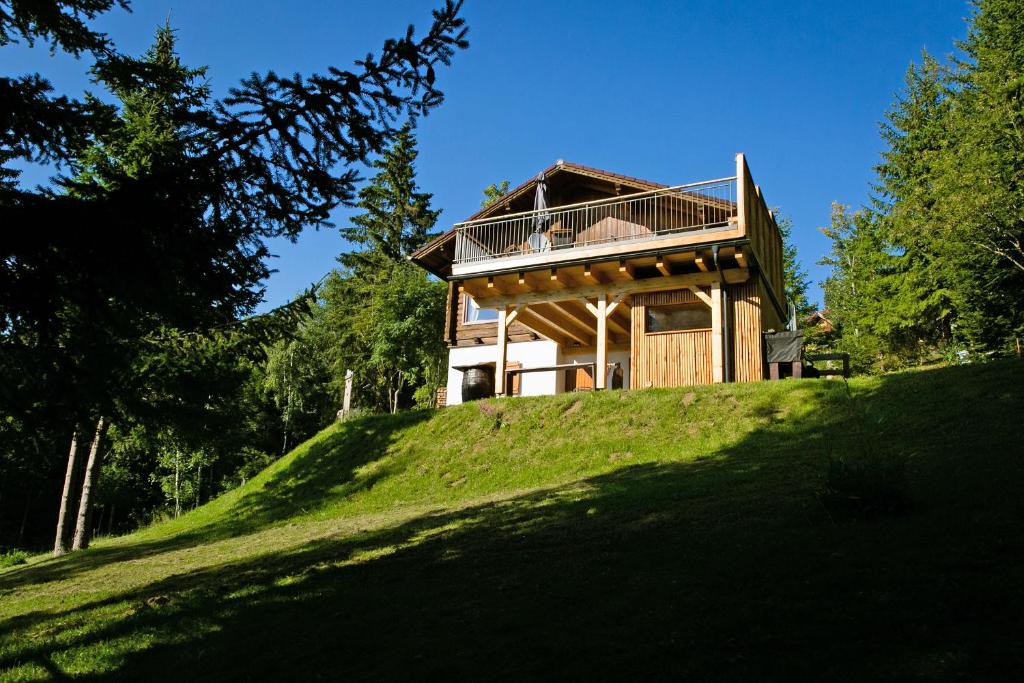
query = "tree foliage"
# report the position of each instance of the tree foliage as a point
(127, 288)
(946, 224)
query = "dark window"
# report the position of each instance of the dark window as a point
(678, 318)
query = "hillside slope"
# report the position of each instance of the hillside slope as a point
(647, 534)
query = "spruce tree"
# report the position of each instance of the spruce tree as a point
(981, 184)
(396, 218)
(384, 313)
(917, 134)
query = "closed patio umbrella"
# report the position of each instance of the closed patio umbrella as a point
(538, 241)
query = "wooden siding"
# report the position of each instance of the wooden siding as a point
(745, 328)
(760, 227)
(667, 359)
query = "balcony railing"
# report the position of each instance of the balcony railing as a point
(636, 217)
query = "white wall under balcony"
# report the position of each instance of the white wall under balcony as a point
(531, 354)
(535, 354)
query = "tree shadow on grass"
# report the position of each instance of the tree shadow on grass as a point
(726, 568)
(324, 471)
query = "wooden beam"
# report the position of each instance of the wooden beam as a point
(617, 327)
(612, 323)
(700, 294)
(735, 275)
(662, 266)
(475, 288)
(741, 258)
(565, 309)
(513, 314)
(626, 269)
(589, 276)
(558, 278)
(616, 300)
(522, 278)
(702, 263)
(539, 327)
(717, 357)
(560, 329)
(654, 284)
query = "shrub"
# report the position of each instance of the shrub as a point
(13, 557)
(868, 485)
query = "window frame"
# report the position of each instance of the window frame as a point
(467, 303)
(690, 304)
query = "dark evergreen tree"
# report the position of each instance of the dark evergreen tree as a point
(397, 218)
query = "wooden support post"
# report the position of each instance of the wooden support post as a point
(717, 350)
(601, 368)
(499, 367)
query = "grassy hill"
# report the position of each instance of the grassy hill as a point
(658, 533)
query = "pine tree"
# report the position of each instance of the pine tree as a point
(981, 184)
(384, 314)
(397, 218)
(917, 135)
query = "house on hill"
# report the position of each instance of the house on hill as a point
(584, 279)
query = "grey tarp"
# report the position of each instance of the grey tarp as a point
(784, 347)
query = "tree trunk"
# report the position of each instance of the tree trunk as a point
(24, 518)
(59, 545)
(81, 541)
(199, 487)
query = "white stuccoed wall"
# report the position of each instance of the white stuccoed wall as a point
(533, 354)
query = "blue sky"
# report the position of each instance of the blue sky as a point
(667, 91)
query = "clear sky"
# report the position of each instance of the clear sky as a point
(667, 91)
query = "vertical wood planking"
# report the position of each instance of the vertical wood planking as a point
(667, 359)
(746, 331)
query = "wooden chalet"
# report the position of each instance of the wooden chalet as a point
(611, 281)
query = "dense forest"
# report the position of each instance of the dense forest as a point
(933, 268)
(136, 380)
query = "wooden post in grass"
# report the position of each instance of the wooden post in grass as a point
(346, 404)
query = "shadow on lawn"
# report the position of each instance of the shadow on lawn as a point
(326, 471)
(726, 568)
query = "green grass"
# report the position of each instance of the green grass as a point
(648, 534)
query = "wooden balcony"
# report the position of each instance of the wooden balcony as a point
(669, 218)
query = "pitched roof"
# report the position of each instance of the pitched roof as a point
(564, 166)
(422, 256)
